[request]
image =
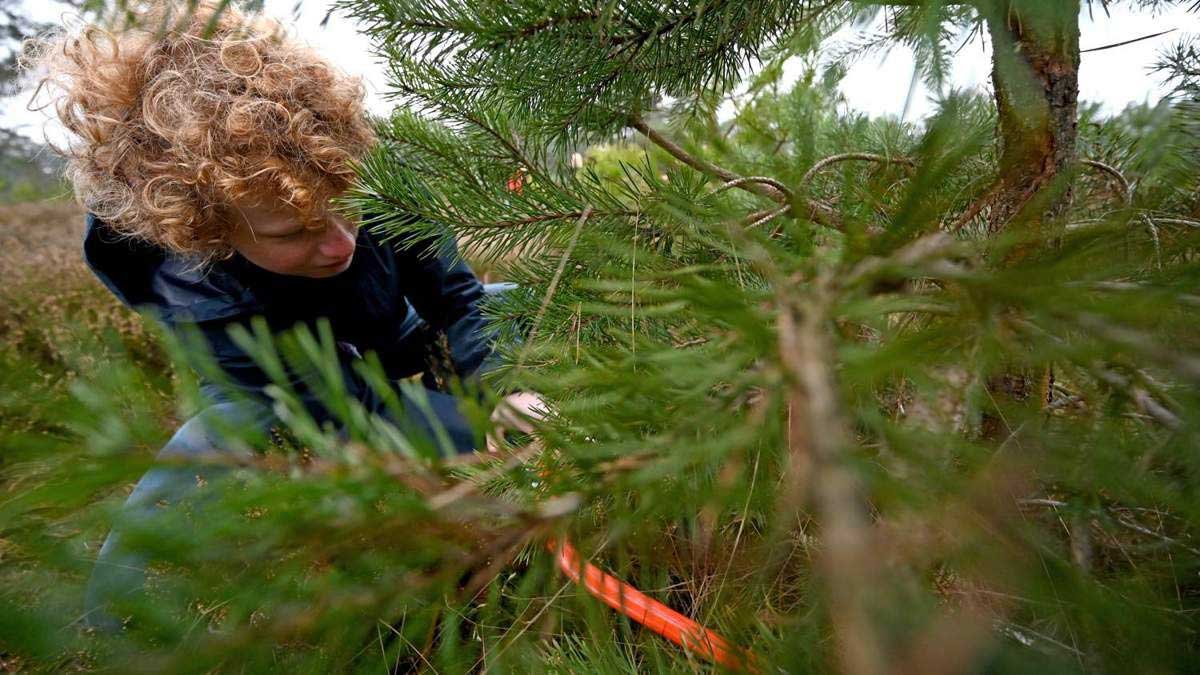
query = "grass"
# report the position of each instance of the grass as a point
(61, 333)
(57, 322)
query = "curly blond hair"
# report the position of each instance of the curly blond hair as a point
(183, 113)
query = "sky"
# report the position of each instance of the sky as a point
(877, 85)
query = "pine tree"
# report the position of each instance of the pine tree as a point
(859, 395)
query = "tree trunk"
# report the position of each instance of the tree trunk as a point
(1035, 74)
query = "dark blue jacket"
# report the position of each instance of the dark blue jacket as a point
(395, 301)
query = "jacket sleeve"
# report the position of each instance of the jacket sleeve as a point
(446, 294)
(433, 416)
(240, 374)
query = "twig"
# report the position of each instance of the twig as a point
(1148, 400)
(1121, 520)
(1125, 42)
(1126, 188)
(1158, 411)
(1141, 342)
(1153, 230)
(817, 211)
(1157, 535)
(562, 265)
(847, 157)
(420, 654)
(766, 180)
(704, 166)
(753, 218)
(769, 216)
(1053, 503)
(1187, 299)
(1023, 635)
(975, 207)
(1176, 221)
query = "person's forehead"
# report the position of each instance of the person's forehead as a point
(267, 218)
(275, 223)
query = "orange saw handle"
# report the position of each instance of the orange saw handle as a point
(649, 612)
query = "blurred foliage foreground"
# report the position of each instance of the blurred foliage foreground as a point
(860, 395)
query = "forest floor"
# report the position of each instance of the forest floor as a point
(60, 328)
(51, 305)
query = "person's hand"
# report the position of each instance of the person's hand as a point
(515, 412)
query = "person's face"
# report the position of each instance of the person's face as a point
(272, 237)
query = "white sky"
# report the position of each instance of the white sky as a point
(1114, 78)
(877, 85)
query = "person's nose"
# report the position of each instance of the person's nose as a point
(338, 241)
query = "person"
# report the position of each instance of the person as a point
(208, 149)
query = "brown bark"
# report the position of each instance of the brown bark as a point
(1035, 75)
(1035, 78)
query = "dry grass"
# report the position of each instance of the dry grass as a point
(59, 327)
(57, 322)
(36, 234)
(46, 290)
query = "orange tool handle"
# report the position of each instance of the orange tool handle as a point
(649, 612)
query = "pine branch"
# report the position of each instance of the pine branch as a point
(976, 207)
(659, 31)
(819, 212)
(850, 156)
(558, 272)
(1126, 188)
(547, 24)
(548, 217)
(817, 444)
(508, 144)
(467, 487)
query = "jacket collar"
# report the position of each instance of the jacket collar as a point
(172, 287)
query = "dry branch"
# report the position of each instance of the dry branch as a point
(976, 207)
(765, 180)
(817, 211)
(1126, 187)
(847, 157)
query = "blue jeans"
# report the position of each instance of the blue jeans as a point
(119, 571)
